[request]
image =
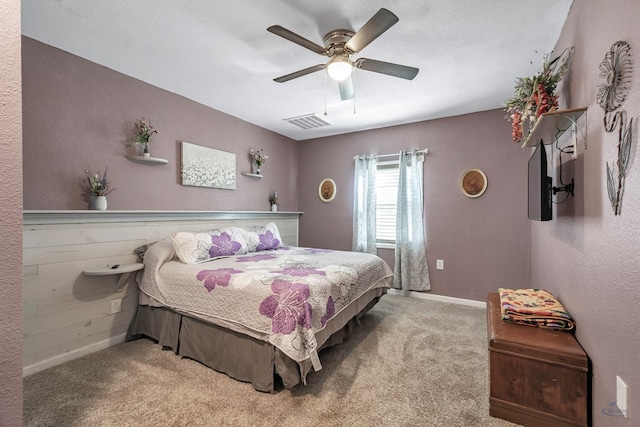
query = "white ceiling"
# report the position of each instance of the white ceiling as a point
(220, 54)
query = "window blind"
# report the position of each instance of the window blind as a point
(386, 194)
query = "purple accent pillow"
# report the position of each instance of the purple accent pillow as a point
(261, 237)
(197, 247)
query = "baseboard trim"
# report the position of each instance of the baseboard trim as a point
(439, 298)
(71, 355)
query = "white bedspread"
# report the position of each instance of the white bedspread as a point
(282, 296)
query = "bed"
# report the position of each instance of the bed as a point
(242, 303)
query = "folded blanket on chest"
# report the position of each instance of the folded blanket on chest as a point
(534, 307)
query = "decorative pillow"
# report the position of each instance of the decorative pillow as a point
(194, 248)
(141, 250)
(261, 237)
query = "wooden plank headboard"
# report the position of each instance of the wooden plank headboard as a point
(67, 314)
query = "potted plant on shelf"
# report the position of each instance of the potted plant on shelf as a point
(144, 130)
(535, 95)
(273, 199)
(98, 189)
(257, 159)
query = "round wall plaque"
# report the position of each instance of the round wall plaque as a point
(327, 190)
(473, 183)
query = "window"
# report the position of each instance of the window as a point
(386, 202)
(386, 195)
(375, 201)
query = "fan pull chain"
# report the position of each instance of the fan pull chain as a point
(325, 92)
(353, 81)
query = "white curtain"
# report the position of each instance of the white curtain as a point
(364, 204)
(411, 271)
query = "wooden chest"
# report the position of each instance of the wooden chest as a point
(537, 377)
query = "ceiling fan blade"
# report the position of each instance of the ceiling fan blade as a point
(395, 70)
(293, 37)
(299, 73)
(378, 24)
(346, 88)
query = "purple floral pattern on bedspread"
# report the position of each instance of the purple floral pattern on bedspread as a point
(282, 296)
(219, 277)
(255, 257)
(287, 307)
(300, 271)
(317, 251)
(330, 311)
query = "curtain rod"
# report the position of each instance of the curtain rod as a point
(425, 151)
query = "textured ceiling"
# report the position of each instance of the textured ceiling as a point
(220, 54)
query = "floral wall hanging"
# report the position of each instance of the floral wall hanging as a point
(208, 167)
(536, 95)
(616, 69)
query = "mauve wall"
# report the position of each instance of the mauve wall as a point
(78, 115)
(484, 242)
(590, 258)
(11, 224)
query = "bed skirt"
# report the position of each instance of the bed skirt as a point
(238, 355)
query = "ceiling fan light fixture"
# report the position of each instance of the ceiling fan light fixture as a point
(339, 68)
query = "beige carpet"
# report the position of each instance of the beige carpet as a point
(412, 362)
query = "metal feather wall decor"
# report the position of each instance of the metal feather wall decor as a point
(616, 69)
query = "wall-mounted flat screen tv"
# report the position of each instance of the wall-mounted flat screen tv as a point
(540, 186)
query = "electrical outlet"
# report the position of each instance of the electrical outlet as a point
(116, 305)
(440, 264)
(574, 142)
(621, 396)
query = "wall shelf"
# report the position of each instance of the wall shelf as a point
(124, 271)
(39, 217)
(552, 124)
(251, 175)
(148, 160)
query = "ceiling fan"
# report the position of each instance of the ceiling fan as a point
(339, 45)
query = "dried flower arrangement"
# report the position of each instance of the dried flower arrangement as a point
(98, 185)
(258, 156)
(536, 95)
(273, 197)
(143, 131)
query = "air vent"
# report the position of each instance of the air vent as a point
(308, 121)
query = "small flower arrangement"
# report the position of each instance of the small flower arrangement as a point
(258, 156)
(273, 197)
(99, 185)
(535, 95)
(143, 131)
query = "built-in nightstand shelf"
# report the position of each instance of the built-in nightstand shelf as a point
(123, 270)
(148, 160)
(251, 175)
